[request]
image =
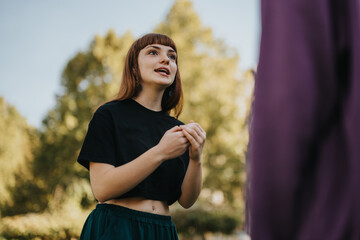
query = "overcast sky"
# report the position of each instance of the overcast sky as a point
(38, 37)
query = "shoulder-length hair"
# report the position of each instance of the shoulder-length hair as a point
(130, 85)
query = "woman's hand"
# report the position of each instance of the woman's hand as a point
(196, 136)
(173, 143)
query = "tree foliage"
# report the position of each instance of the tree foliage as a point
(199, 221)
(88, 79)
(17, 143)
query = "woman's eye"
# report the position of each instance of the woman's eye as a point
(173, 57)
(153, 52)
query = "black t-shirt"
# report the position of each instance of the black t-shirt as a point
(119, 132)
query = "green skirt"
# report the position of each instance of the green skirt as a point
(113, 222)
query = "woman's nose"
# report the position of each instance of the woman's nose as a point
(165, 59)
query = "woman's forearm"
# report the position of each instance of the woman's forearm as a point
(192, 184)
(108, 182)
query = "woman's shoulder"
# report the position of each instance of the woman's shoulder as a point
(107, 112)
(174, 120)
(111, 107)
(178, 121)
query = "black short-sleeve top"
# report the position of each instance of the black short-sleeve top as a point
(119, 132)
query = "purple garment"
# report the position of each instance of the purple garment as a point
(305, 138)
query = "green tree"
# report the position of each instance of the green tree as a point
(199, 222)
(88, 79)
(17, 143)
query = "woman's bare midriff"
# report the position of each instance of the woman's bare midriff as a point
(142, 204)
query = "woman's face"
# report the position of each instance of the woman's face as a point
(157, 65)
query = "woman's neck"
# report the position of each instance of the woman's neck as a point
(151, 101)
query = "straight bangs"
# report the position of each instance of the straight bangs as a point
(154, 38)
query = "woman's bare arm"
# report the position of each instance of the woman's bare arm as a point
(108, 182)
(192, 183)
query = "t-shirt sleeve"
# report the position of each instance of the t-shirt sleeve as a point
(99, 143)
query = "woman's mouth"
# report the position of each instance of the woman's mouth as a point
(163, 71)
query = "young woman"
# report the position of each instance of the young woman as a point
(141, 160)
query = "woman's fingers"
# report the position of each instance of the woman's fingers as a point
(174, 129)
(196, 131)
(200, 128)
(200, 131)
(196, 136)
(192, 132)
(195, 140)
(191, 138)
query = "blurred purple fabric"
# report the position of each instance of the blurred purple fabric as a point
(305, 137)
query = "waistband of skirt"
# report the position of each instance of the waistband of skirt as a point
(123, 211)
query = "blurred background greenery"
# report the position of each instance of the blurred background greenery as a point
(46, 195)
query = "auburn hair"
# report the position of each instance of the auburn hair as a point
(130, 84)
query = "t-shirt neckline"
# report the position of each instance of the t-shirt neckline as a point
(145, 108)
